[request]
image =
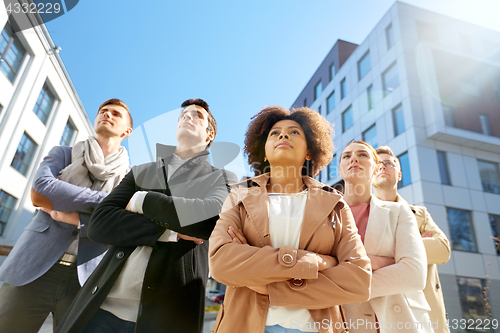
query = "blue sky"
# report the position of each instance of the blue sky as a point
(238, 56)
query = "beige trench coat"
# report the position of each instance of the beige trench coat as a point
(291, 275)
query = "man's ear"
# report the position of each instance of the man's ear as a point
(400, 175)
(210, 136)
(125, 134)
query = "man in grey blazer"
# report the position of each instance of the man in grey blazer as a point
(40, 273)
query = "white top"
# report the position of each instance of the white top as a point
(286, 213)
(124, 298)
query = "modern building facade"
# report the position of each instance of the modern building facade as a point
(39, 109)
(428, 86)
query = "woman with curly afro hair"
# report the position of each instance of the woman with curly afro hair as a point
(286, 245)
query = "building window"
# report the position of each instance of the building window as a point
(333, 168)
(369, 97)
(24, 154)
(398, 120)
(44, 104)
(7, 203)
(485, 124)
(68, 133)
(318, 178)
(364, 65)
(495, 230)
(471, 291)
(404, 161)
(332, 71)
(490, 177)
(319, 109)
(390, 79)
(11, 52)
(389, 36)
(462, 233)
(347, 120)
(443, 168)
(330, 103)
(305, 101)
(343, 88)
(449, 118)
(317, 90)
(370, 136)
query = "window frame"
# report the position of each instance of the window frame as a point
(343, 88)
(386, 91)
(331, 74)
(21, 160)
(349, 108)
(3, 196)
(328, 109)
(363, 135)
(48, 92)
(12, 39)
(73, 136)
(319, 84)
(454, 242)
(444, 170)
(388, 39)
(369, 97)
(367, 54)
(496, 187)
(405, 175)
(394, 112)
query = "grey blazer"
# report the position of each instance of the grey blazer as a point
(44, 240)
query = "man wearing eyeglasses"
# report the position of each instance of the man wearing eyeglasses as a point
(436, 244)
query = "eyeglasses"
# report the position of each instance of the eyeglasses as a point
(388, 164)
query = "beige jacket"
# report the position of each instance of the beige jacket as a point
(396, 295)
(438, 252)
(291, 275)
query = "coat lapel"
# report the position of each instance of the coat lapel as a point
(316, 210)
(256, 204)
(377, 225)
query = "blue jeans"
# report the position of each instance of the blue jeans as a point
(106, 322)
(281, 329)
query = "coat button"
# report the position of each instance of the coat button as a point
(287, 258)
(397, 309)
(437, 285)
(120, 255)
(94, 290)
(297, 282)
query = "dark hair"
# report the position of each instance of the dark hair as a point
(317, 130)
(369, 146)
(119, 102)
(212, 125)
(387, 150)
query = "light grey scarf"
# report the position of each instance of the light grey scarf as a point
(90, 169)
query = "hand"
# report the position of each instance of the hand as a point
(237, 235)
(380, 262)
(129, 206)
(259, 289)
(326, 262)
(190, 238)
(69, 218)
(426, 234)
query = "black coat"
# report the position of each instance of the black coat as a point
(173, 292)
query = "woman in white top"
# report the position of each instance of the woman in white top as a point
(286, 245)
(393, 243)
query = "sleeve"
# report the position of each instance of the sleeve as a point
(112, 224)
(348, 282)
(240, 265)
(63, 196)
(437, 247)
(193, 217)
(410, 270)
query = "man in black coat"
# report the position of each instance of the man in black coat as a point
(153, 277)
